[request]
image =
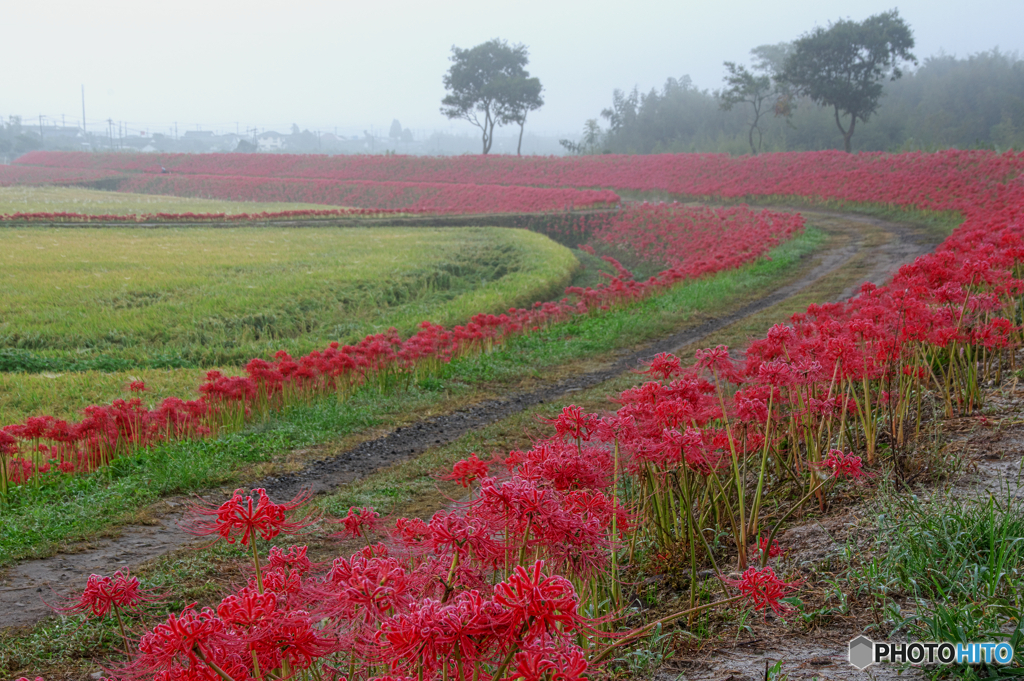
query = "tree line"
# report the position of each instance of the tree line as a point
(853, 85)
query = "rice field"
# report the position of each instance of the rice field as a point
(83, 312)
(28, 199)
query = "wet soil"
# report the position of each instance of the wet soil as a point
(27, 587)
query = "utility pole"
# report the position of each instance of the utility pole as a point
(175, 131)
(110, 132)
(40, 128)
(84, 129)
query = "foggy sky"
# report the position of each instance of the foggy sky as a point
(353, 65)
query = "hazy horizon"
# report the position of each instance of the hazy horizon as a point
(326, 66)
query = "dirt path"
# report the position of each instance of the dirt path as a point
(24, 587)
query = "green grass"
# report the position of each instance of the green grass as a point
(960, 564)
(37, 521)
(124, 302)
(96, 202)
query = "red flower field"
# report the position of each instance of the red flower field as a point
(521, 580)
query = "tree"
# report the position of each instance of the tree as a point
(488, 84)
(759, 86)
(590, 142)
(843, 66)
(746, 88)
(522, 96)
(395, 132)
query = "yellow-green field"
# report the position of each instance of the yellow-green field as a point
(64, 395)
(163, 305)
(95, 202)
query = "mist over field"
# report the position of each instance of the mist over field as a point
(327, 78)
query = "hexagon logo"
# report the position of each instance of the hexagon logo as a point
(862, 651)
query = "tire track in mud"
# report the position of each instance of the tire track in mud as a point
(25, 586)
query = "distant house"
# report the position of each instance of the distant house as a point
(58, 131)
(270, 141)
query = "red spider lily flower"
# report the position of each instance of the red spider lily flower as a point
(247, 608)
(535, 603)
(291, 637)
(240, 515)
(137, 386)
(716, 360)
(358, 521)
(664, 365)
(774, 552)
(295, 559)
(776, 373)
(534, 665)
(843, 465)
(763, 588)
(97, 596)
(125, 591)
(466, 471)
(181, 637)
(411, 531)
(574, 423)
(102, 593)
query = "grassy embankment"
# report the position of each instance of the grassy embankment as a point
(85, 312)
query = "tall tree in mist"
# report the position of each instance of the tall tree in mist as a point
(843, 66)
(522, 96)
(745, 87)
(489, 84)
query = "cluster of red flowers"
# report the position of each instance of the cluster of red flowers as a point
(44, 174)
(493, 589)
(63, 216)
(44, 444)
(411, 197)
(690, 241)
(947, 180)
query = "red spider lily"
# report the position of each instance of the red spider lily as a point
(544, 664)
(137, 386)
(295, 559)
(240, 515)
(464, 472)
(774, 552)
(247, 608)
(763, 588)
(190, 637)
(290, 638)
(664, 366)
(358, 521)
(843, 465)
(432, 633)
(536, 604)
(101, 594)
(574, 423)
